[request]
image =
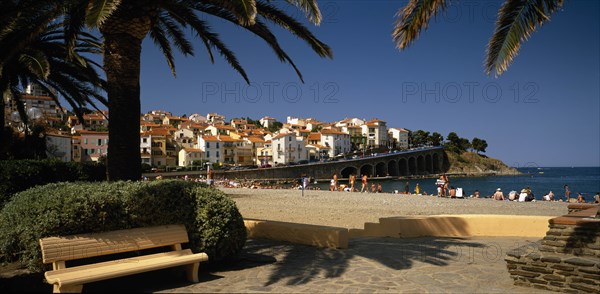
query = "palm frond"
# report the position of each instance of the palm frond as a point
(176, 35)
(259, 29)
(99, 11)
(517, 20)
(244, 10)
(310, 9)
(414, 17)
(37, 63)
(287, 22)
(74, 21)
(158, 35)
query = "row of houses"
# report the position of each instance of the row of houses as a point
(168, 140)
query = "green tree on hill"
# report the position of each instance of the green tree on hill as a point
(419, 138)
(479, 145)
(435, 139)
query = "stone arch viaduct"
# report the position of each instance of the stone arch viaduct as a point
(422, 161)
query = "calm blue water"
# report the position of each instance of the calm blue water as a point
(585, 180)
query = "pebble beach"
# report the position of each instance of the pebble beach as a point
(352, 210)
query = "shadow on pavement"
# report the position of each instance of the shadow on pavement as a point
(300, 264)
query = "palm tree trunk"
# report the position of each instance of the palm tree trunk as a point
(122, 65)
(123, 34)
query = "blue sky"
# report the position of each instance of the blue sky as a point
(544, 111)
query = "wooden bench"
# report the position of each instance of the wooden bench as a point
(58, 250)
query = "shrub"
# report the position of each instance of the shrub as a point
(213, 222)
(20, 175)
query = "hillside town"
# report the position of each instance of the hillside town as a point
(168, 141)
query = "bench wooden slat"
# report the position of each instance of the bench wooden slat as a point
(118, 268)
(90, 245)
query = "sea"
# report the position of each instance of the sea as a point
(541, 180)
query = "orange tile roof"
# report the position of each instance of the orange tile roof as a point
(193, 150)
(33, 97)
(86, 132)
(314, 137)
(224, 138)
(283, 135)
(318, 146)
(255, 139)
(332, 132)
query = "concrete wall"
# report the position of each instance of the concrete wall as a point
(455, 226)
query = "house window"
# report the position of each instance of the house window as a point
(207, 144)
(217, 147)
(217, 153)
(145, 140)
(99, 142)
(207, 154)
(85, 141)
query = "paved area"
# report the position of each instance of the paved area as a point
(413, 265)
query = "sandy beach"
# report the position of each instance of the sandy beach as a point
(352, 210)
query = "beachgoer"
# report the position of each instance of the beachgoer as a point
(498, 195)
(567, 193)
(352, 180)
(597, 198)
(523, 195)
(417, 189)
(332, 185)
(476, 194)
(406, 188)
(335, 180)
(373, 188)
(446, 184)
(364, 184)
(512, 195)
(549, 196)
(580, 198)
(452, 192)
(379, 188)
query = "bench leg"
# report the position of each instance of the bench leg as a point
(68, 289)
(192, 272)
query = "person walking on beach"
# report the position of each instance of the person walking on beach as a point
(406, 188)
(446, 184)
(364, 184)
(352, 180)
(417, 189)
(567, 193)
(379, 188)
(335, 181)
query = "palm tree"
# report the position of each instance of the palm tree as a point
(517, 20)
(43, 60)
(124, 25)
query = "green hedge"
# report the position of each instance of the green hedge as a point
(213, 222)
(20, 175)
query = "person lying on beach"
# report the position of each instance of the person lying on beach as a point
(452, 192)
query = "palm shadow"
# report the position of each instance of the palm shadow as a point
(300, 264)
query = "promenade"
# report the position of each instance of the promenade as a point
(383, 265)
